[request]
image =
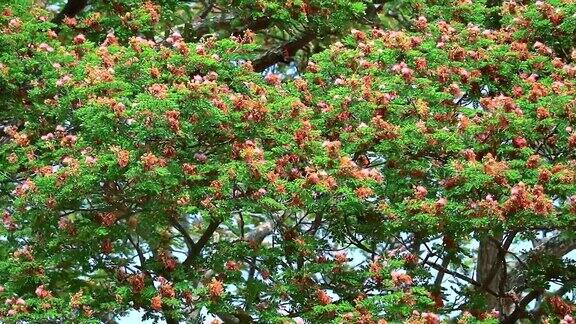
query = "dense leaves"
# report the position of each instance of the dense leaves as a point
(419, 164)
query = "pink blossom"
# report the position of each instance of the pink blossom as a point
(45, 48)
(47, 137)
(63, 80)
(495, 313)
(431, 318)
(79, 39)
(91, 161)
(15, 23)
(339, 81)
(41, 292)
(568, 319)
(201, 157)
(520, 142)
(421, 192)
(273, 79)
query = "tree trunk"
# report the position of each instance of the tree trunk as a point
(170, 320)
(488, 258)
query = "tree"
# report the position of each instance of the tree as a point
(287, 161)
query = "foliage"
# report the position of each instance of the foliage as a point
(147, 166)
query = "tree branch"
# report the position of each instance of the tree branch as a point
(71, 9)
(519, 310)
(255, 25)
(207, 10)
(440, 276)
(140, 253)
(187, 239)
(282, 53)
(260, 232)
(194, 252)
(462, 277)
(194, 31)
(556, 246)
(502, 251)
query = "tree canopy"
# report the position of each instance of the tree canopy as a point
(288, 161)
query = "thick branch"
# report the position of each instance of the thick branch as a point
(170, 320)
(315, 224)
(502, 251)
(255, 25)
(194, 31)
(260, 232)
(440, 276)
(207, 10)
(194, 252)
(557, 246)
(521, 307)
(71, 9)
(187, 239)
(461, 277)
(282, 53)
(140, 253)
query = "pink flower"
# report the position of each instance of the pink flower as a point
(323, 297)
(364, 192)
(520, 142)
(216, 289)
(441, 203)
(158, 90)
(339, 81)
(69, 140)
(63, 80)
(421, 192)
(298, 320)
(70, 21)
(401, 278)
(495, 313)
(41, 292)
(91, 161)
(431, 318)
(174, 37)
(52, 34)
(45, 48)
(15, 23)
(273, 79)
(201, 157)
(232, 265)
(156, 303)
(8, 223)
(422, 23)
(79, 39)
(341, 257)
